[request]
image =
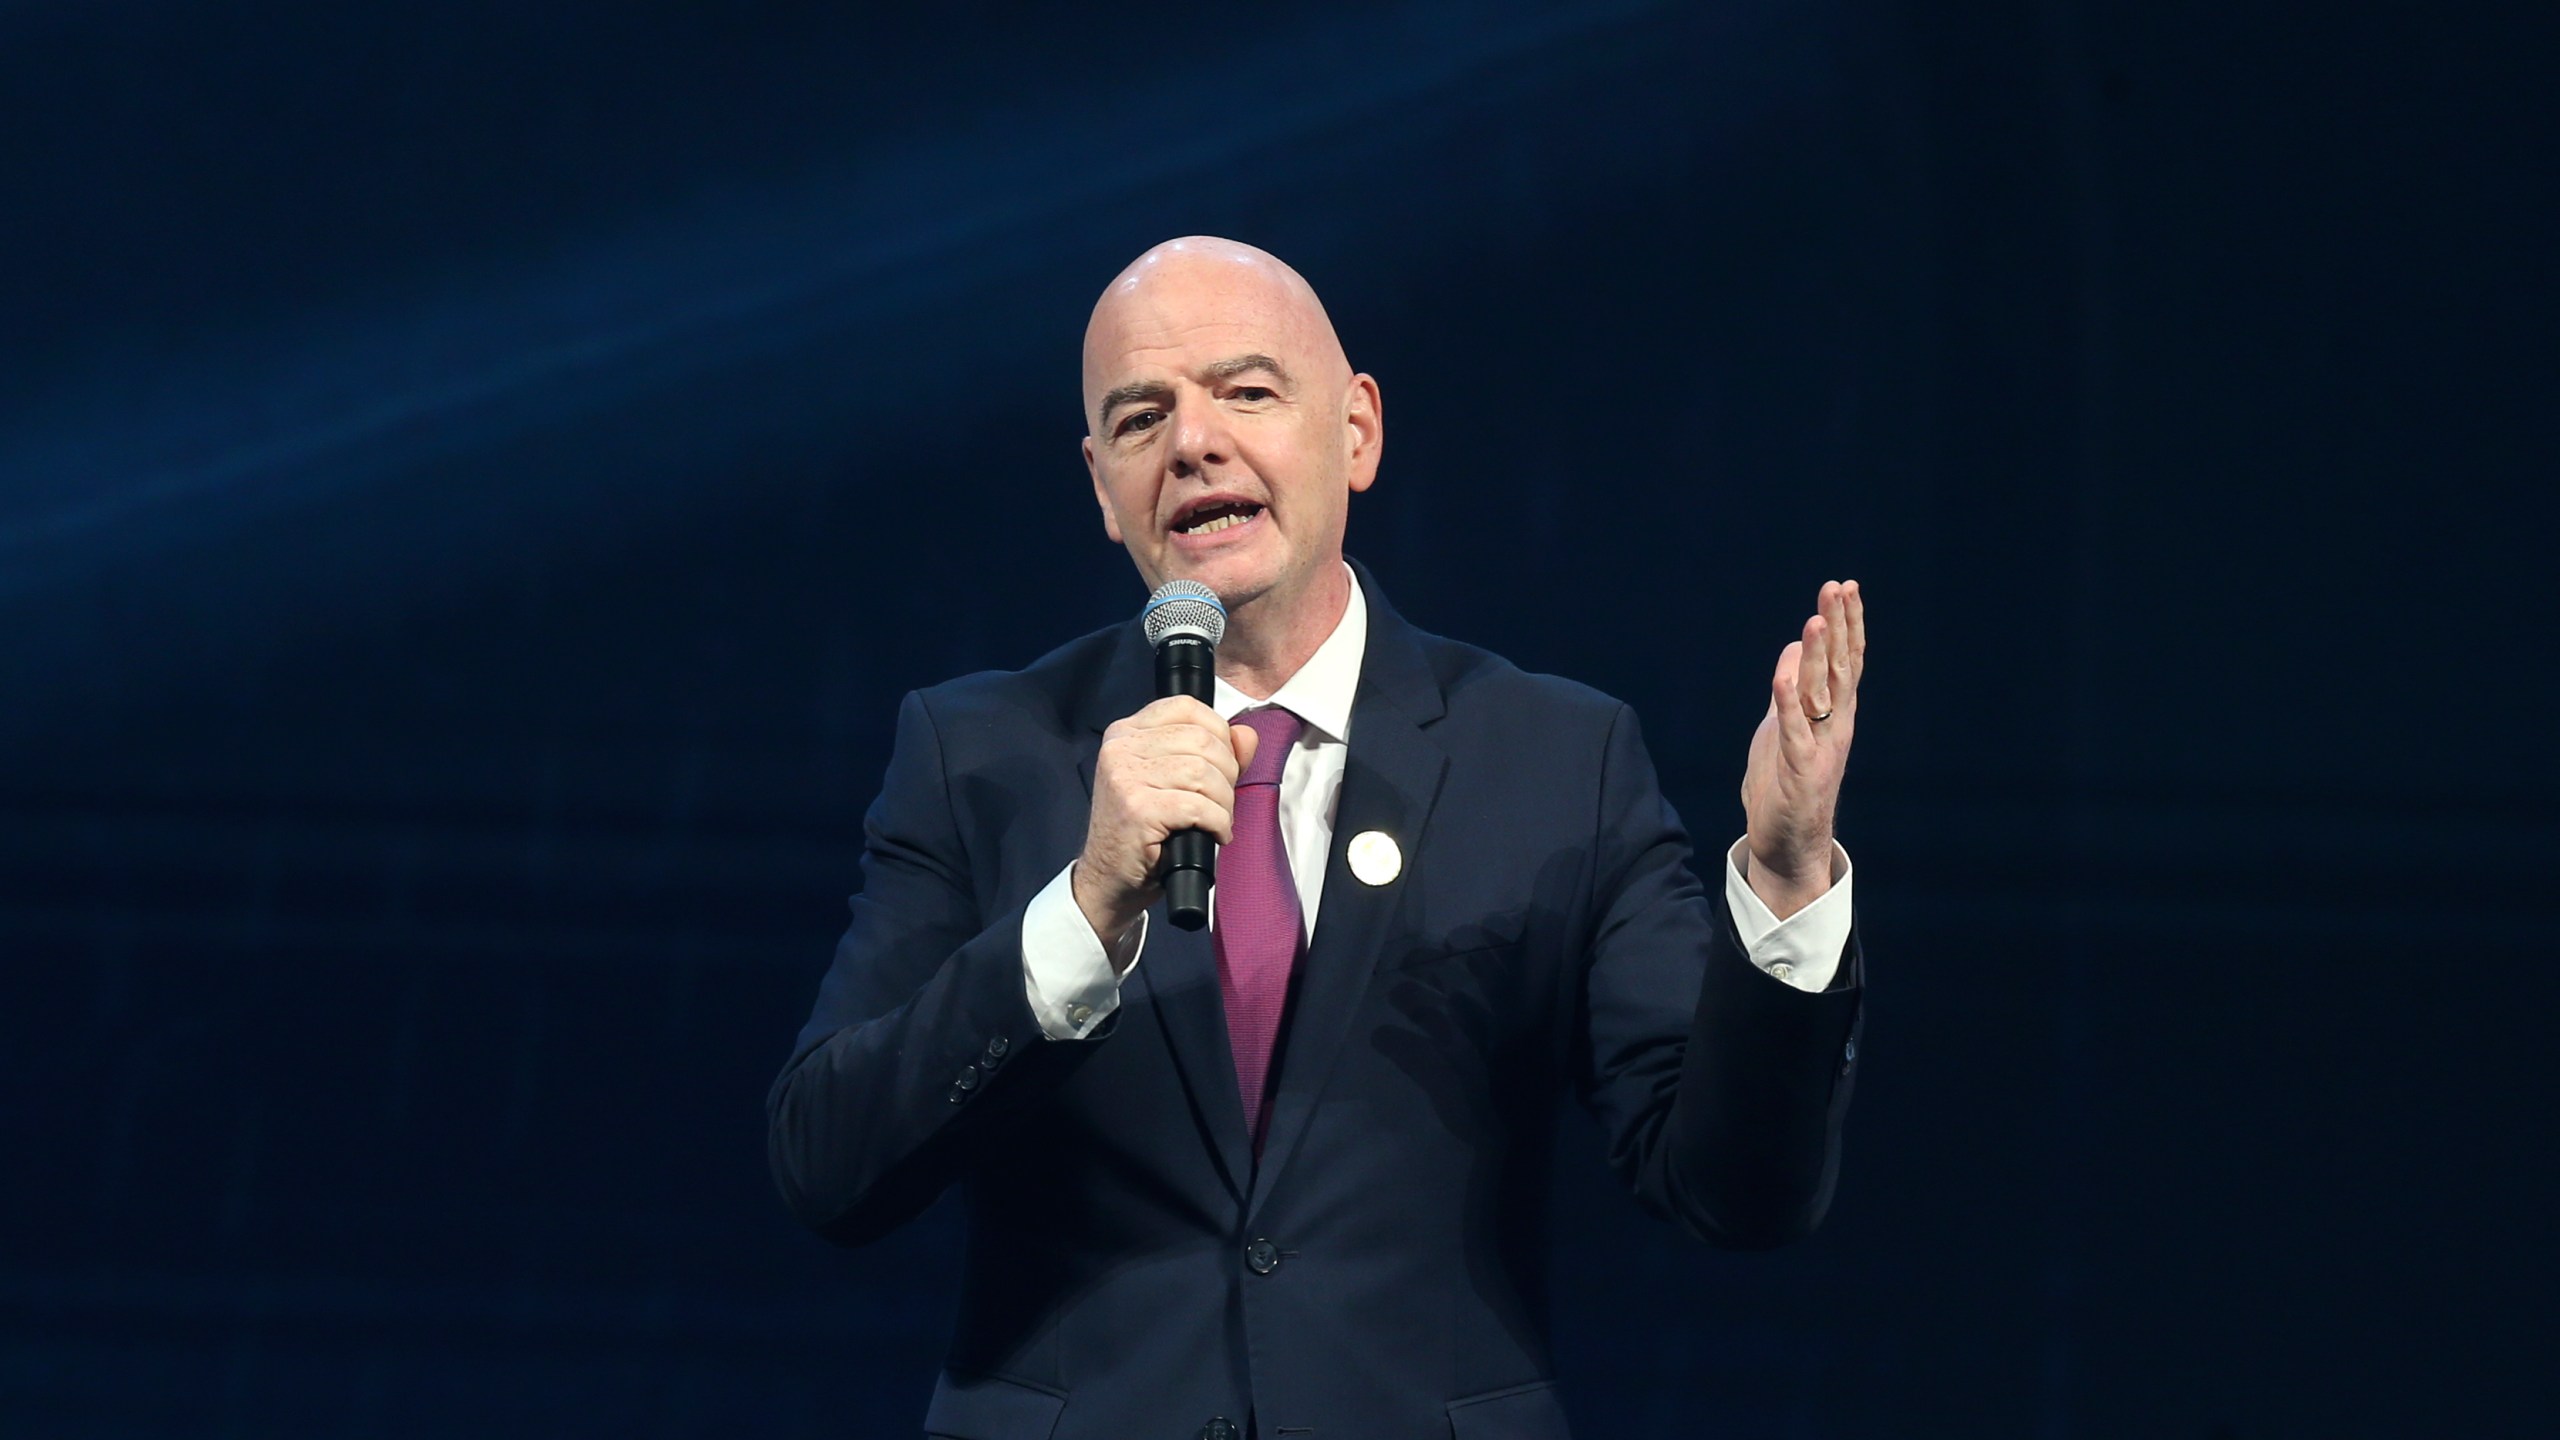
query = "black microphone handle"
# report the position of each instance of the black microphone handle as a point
(1186, 666)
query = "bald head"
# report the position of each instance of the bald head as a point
(1179, 289)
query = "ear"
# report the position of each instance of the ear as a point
(1364, 431)
(1101, 494)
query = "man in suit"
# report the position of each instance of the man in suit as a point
(1283, 1177)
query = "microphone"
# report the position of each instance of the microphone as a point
(1184, 623)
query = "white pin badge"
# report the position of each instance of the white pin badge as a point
(1374, 858)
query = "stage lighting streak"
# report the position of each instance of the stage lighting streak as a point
(268, 423)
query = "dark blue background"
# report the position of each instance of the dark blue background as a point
(473, 486)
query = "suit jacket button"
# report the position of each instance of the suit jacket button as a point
(1263, 1256)
(966, 1080)
(1219, 1428)
(997, 1048)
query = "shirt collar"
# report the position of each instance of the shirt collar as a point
(1321, 692)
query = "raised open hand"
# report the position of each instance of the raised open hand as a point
(1791, 787)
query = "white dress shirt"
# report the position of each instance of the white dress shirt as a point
(1074, 983)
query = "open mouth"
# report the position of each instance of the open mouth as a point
(1211, 517)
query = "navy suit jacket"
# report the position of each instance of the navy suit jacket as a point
(1133, 1272)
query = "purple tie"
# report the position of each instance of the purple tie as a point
(1254, 924)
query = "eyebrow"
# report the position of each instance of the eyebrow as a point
(1227, 369)
(1245, 365)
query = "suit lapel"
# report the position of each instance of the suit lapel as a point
(1178, 973)
(1391, 782)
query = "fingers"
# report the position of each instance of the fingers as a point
(1813, 666)
(1169, 811)
(1246, 741)
(1840, 685)
(1834, 651)
(1179, 725)
(1855, 604)
(1171, 766)
(1197, 774)
(1170, 758)
(1175, 712)
(1786, 696)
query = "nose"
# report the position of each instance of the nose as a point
(1200, 438)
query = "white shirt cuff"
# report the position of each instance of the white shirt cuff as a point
(1072, 982)
(1804, 949)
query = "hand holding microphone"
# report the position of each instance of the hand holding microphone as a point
(1164, 781)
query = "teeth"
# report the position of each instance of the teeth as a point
(1214, 526)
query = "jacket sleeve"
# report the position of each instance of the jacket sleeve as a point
(1720, 1088)
(922, 1050)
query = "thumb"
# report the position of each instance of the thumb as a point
(1246, 740)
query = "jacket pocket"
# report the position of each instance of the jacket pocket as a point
(986, 1407)
(1521, 1412)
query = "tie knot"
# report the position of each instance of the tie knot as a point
(1279, 731)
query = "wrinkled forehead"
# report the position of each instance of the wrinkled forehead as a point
(1169, 314)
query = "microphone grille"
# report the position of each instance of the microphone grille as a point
(1184, 607)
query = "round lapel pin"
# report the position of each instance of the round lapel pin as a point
(1374, 858)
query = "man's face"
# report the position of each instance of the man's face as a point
(1228, 431)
